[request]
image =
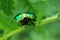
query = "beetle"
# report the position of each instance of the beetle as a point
(25, 18)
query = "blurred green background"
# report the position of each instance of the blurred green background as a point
(42, 8)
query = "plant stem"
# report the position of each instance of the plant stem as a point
(45, 21)
(11, 33)
(50, 19)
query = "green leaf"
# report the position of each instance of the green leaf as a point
(47, 23)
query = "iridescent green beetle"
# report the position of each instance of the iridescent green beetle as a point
(25, 18)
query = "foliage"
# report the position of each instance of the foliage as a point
(47, 24)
